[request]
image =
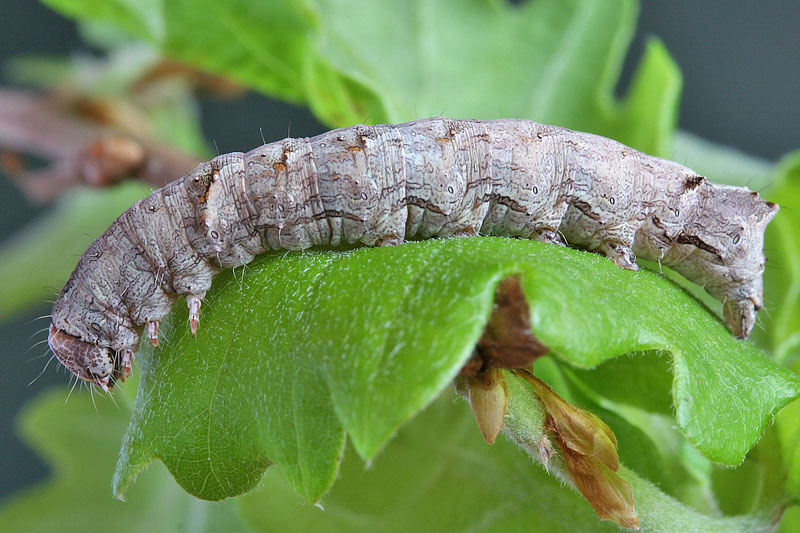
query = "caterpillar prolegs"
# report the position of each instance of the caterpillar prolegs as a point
(384, 184)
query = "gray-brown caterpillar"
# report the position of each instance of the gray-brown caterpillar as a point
(384, 184)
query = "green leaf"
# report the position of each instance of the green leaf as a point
(439, 475)
(770, 477)
(37, 261)
(138, 17)
(247, 417)
(790, 521)
(302, 347)
(556, 62)
(259, 44)
(782, 275)
(647, 376)
(787, 427)
(782, 294)
(436, 474)
(552, 61)
(79, 441)
(649, 116)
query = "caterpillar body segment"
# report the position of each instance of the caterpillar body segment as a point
(384, 184)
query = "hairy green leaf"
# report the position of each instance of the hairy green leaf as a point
(307, 346)
(437, 475)
(770, 477)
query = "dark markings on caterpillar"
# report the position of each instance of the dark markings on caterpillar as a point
(384, 184)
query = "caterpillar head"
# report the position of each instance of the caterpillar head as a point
(727, 233)
(87, 361)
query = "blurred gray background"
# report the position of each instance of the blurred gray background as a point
(741, 67)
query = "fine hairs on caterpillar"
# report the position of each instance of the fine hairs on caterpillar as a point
(379, 185)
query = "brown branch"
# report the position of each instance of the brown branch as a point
(80, 150)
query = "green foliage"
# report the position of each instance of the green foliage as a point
(296, 352)
(458, 483)
(783, 326)
(79, 439)
(782, 278)
(552, 61)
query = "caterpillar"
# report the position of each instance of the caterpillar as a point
(384, 184)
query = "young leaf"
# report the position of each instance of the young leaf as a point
(299, 348)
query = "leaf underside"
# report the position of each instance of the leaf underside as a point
(457, 484)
